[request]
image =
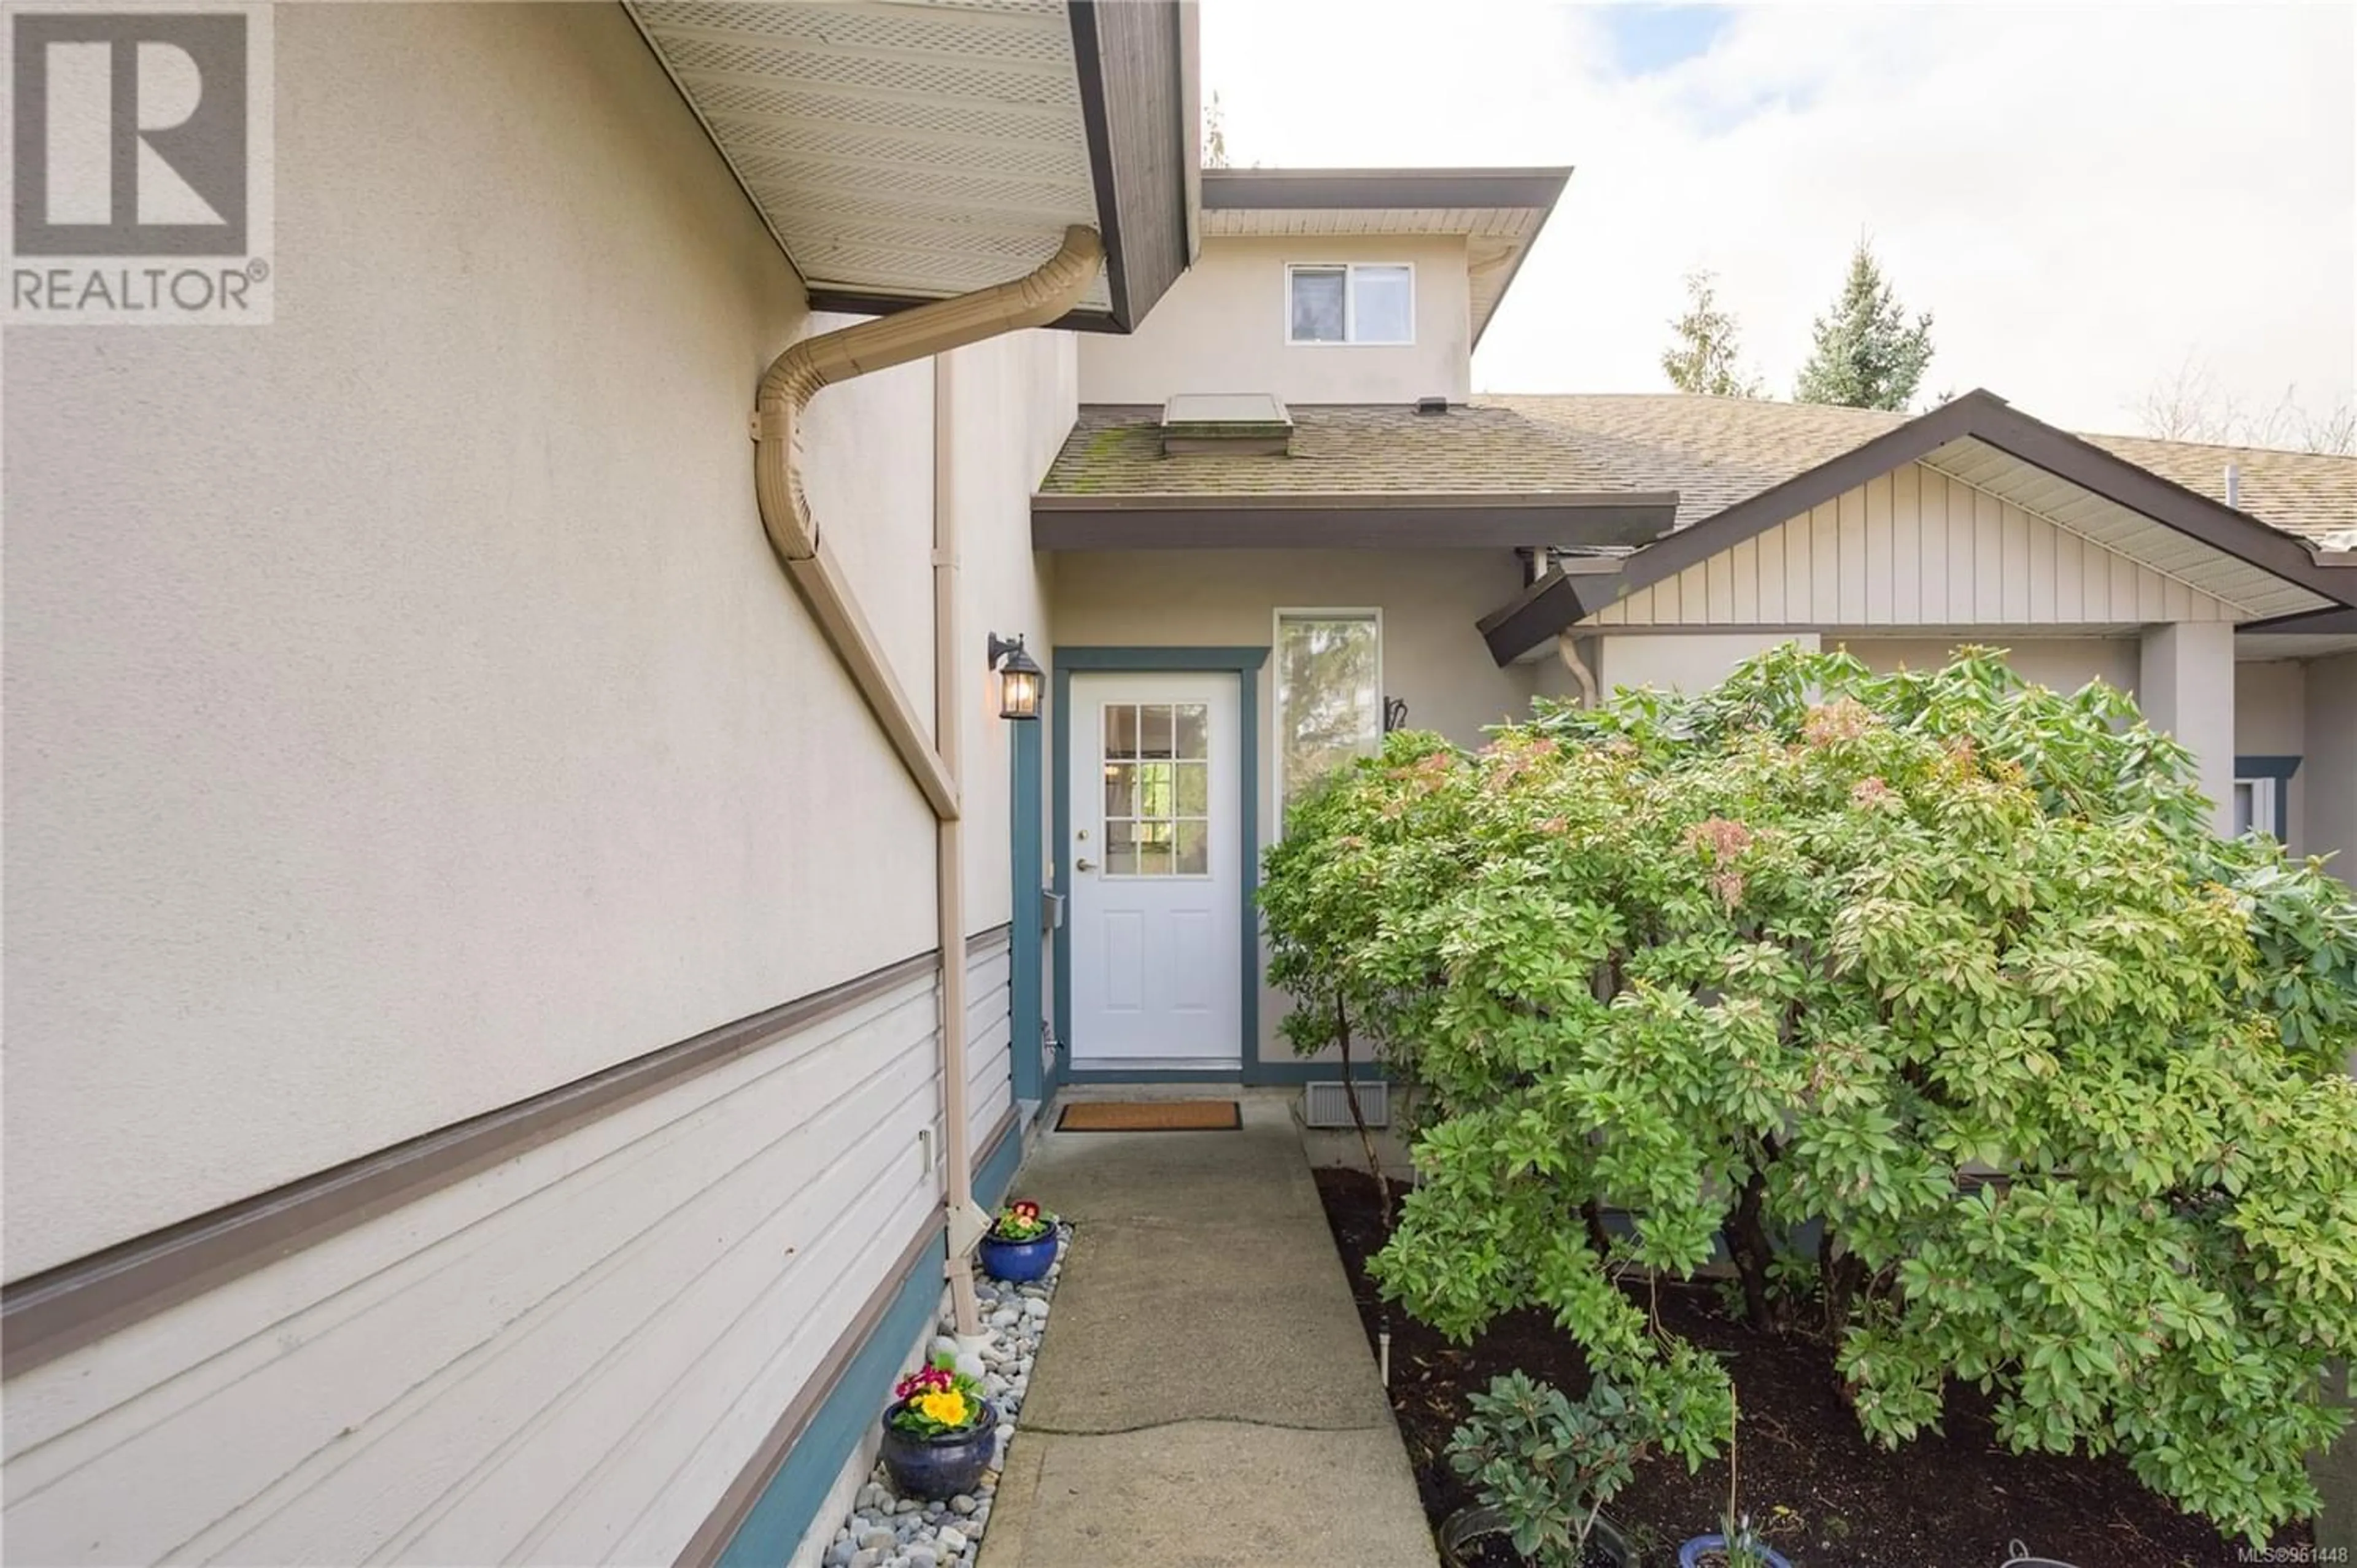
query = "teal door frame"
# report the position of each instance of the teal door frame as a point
(1244, 663)
(1024, 886)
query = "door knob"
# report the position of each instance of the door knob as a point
(1084, 865)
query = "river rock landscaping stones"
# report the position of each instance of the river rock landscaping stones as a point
(887, 1530)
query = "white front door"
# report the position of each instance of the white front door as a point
(1156, 876)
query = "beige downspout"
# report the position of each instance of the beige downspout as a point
(792, 380)
(949, 876)
(1568, 652)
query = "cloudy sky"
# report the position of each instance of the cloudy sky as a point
(2089, 199)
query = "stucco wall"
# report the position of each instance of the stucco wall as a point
(1012, 405)
(1432, 656)
(1681, 664)
(1221, 327)
(2330, 770)
(2063, 663)
(403, 712)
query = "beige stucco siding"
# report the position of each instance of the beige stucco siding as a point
(1915, 548)
(2271, 720)
(1432, 657)
(1221, 327)
(404, 715)
(2065, 664)
(564, 1359)
(2331, 768)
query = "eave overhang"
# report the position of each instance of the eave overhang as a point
(1500, 211)
(1977, 419)
(905, 152)
(1383, 521)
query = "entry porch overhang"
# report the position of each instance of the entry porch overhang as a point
(2256, 572)
(1381, 521)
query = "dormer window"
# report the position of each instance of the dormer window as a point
(1351, 302)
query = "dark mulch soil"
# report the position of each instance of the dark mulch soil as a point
(1818, 1490)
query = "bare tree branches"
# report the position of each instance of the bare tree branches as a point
(2190, 406)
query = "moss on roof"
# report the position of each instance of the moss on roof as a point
(1338, 449)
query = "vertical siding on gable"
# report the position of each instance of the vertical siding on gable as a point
(1913, 547)
(565, 1358)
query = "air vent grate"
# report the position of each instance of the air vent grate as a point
(1328, 1104)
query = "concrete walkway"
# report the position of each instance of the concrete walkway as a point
(1205, 1397)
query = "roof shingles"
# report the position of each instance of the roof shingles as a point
(1338, 449)
(1742, 447)
(1713, 452)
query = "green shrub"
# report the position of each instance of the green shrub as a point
(1548, 1463)
(1949, 963)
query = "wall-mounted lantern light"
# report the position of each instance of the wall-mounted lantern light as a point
(1018, 678)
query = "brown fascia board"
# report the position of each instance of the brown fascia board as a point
(1132, 58)
(1307, 189)
(1061, 522)
(1556, 601)
(849, 302)
(1982, 415)
(2336, 622)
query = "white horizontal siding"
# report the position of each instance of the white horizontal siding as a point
(990, 1077)
(564, 1359)
(1916, 547)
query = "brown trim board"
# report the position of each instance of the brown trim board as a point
(1522, 624)
(44, 1315)
(1347, 522)
(2336, 622)
(850, 302)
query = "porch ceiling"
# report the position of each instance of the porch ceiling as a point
(905, 152)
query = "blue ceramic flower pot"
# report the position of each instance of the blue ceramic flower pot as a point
(1690, 1554)
(1016, 1261)
(936, 1468)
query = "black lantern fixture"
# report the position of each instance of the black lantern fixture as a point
(1018, 678)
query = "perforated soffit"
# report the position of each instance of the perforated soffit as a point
(893, 149)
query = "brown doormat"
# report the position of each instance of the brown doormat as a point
(1150, 1116)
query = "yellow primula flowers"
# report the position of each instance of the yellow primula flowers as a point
(948, 1408)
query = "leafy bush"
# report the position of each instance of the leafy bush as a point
(1947, 964)
(1548, 1463)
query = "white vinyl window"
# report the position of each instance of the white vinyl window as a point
(1353, 303)
(1330, 703)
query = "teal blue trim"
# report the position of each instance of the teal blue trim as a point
(1184, 659)
(2280, 769)
(1245, 663)
(997, 1172)
(777, 1522)
(1254, 1074)
(1024, 855)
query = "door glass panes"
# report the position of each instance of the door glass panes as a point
(1330, 709)
(1158, 762)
